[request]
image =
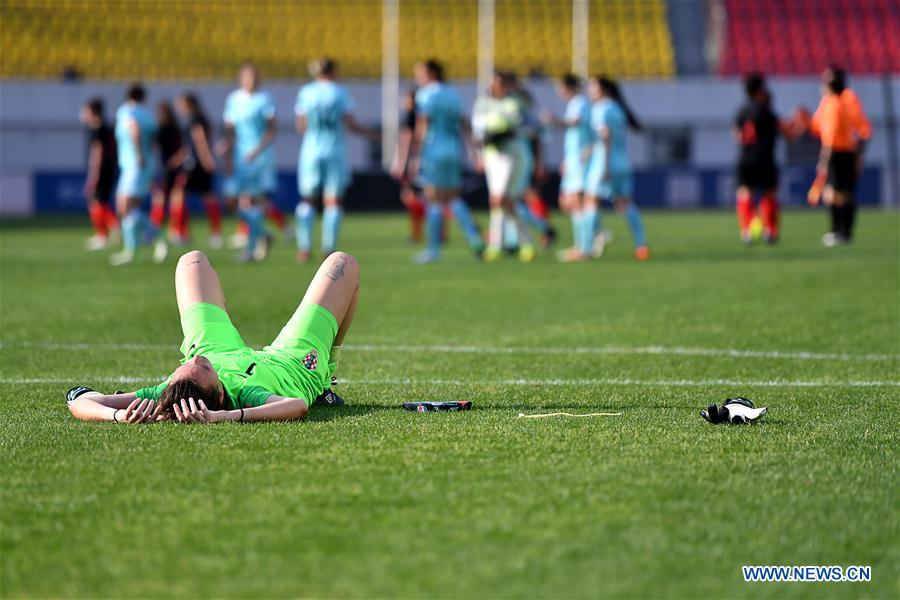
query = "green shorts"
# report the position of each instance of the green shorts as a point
(299, 354)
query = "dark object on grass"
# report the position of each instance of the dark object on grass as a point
(328, 398)
(437, 406)
(735, 410)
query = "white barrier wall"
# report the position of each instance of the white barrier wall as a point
(39, 127)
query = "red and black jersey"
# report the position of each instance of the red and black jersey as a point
(108, 159)
(757, 126)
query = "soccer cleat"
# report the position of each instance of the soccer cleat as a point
(572, 255)
(160, 251)
(527, 253)
(832, 239)
(328, 398)
(478, 250)
(746, 237)
(216, 242)
(262, 248)
(737, 411)
(770, 238)
(96, 242)
(426, 257)
(642, 253)
(303, 256)
(491, 254)
(548, 239)
(121, 258)
(179, 240)
(603, 239)
(756, 228)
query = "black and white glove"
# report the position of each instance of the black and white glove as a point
(735, 410)
(75, 392)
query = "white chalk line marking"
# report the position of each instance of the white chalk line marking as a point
(488, 383)
(510, 350)
(568, 414)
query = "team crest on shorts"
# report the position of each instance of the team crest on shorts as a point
(311, 360)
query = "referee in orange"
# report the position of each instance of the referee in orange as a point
(841, 125)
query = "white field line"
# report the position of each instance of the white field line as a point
(510, 350)
(497, 382)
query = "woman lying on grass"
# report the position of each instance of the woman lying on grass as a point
(220, 377)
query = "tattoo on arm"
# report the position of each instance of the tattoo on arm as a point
(336, 271)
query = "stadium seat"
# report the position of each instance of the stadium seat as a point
(208, 39)
(802, 36)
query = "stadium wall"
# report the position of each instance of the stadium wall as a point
(42, 145)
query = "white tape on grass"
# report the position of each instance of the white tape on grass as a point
(89, 380)
(510, 350)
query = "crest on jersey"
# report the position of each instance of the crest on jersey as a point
(311, 360)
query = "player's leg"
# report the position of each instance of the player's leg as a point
(416, 209)
(178, 213)
(309, 184)
(196, 281)
(336, 179)
(251, 210)
(770, 213)
(434, 226)
(214, 216)
(448, 179)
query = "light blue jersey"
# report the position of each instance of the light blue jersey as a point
(617, 183)
(324, 104)
(127, 114)
(249, 114)
(440, 104)
(576, 142)
(135, 179)
(323, 169)
(609, 115)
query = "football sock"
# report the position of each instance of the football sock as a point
(130, 225)
(529, 216)
(588, 225)
(510, 234)
(158, 213)
(435, 221)
(849, 218)
(576, 228)
(416, 210)
(836, 219)
(464, 217)
(331, 227)
(768, 208)
(254, 218)
(214, 214)
(495, 232)
(112, 221)
(636, 224)
(178, 219)
(98, 219)
(306, 218)
(744, 208)
(276, 215)
(524, 237)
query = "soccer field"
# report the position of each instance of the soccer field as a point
(373, 501)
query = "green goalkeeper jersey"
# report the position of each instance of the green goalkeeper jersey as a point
(295, 365)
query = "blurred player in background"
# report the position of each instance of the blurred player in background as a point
(843, 128)
(170, 189)
(496, 120)
(101, 175)
(437, 145)
(199, 165)
(577, 143)
(250, 129)
(756, 129)
(135, 137)
(409, 196)
(531, 207)
(323, 110)
(609, 175)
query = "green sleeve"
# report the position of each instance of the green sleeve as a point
(252, 396)
(152, 393)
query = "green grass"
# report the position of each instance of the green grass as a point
(376, 502)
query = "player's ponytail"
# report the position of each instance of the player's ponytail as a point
(611, 89)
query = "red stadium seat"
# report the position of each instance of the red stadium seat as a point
(801, 36)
